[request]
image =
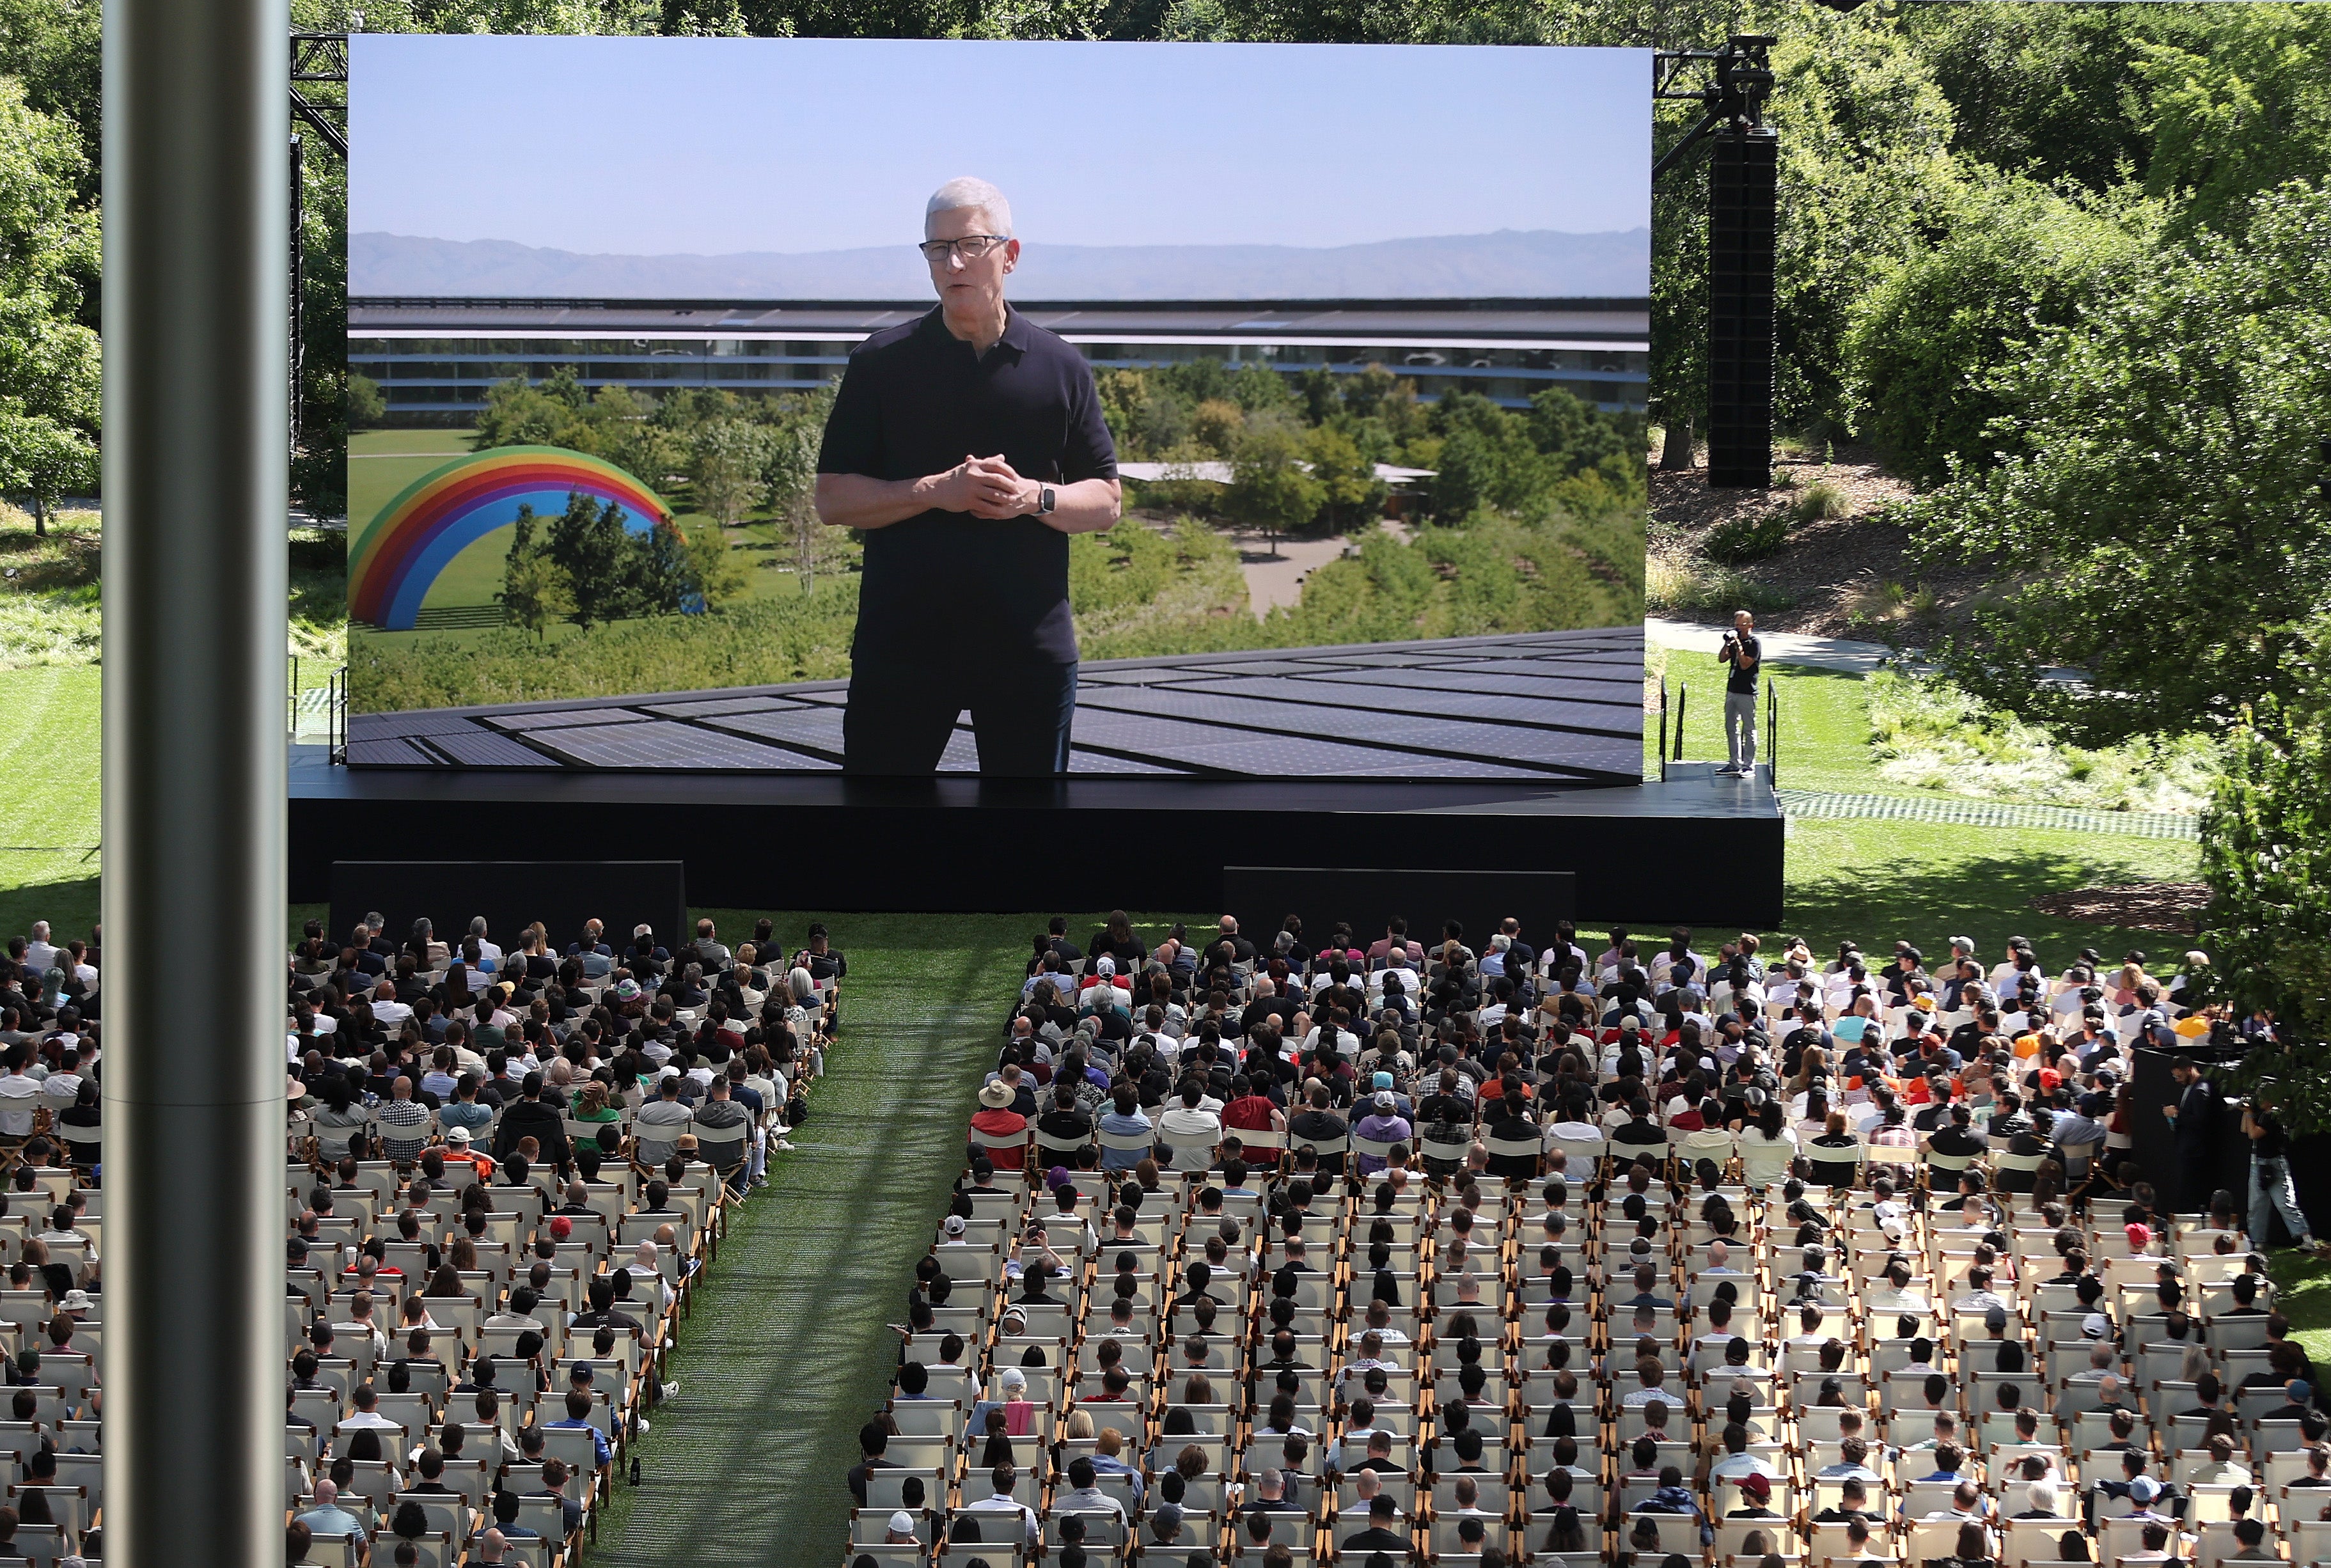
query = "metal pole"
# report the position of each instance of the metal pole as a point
(1663, 729)
(296, 352)
(195, 436)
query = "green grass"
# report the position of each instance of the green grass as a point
(382, 462)
(1926, 882)
(1825, 725)
(49, 742)
(1877, 880)
(2303, 1292)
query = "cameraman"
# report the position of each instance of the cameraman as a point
(1747, 656)
(2271, 1187)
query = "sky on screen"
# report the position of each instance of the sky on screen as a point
(709, 146)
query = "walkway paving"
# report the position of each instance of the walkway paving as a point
(1270, 582)
(1988, 814)
(1779, 647)
(1839, 653)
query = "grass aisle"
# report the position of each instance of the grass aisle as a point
(788, 1353)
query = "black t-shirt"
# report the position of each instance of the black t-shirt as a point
(917, 400)
(1748, 658)
(1070, 1124)
(2275, 1144)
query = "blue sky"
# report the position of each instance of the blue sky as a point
(663, 146)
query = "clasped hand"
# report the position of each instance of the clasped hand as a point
(987, 487)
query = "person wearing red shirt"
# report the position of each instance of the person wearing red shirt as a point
(997, 1119)
(1249, 1112)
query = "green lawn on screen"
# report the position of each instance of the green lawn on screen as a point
(382, 462)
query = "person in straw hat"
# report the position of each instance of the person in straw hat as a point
(996, 1119)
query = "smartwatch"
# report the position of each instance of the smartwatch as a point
(1044, 500)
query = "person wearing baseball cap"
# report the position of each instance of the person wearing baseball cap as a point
(2143, 1492)
(458, 1151)
(1755, 1493)
(2301, 1395)
(902, 1530)
(1383, 1123)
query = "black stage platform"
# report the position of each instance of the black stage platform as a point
(1695, 848)
(1551, 706)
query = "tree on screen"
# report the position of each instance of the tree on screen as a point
(1348, 486)
(713, 566)
(729, 468)
(588, 545)
(1269, 489)
(790, 470)
(535, 589)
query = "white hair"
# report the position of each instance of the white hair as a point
(970, 191)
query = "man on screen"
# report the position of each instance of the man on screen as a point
(967, 446)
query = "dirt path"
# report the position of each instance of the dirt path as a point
(1270, 582)
(1280, 582)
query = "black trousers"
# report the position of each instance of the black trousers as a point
(899, 720)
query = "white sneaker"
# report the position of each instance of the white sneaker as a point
(782, 1147)
(644, 1428)
(671, 1390)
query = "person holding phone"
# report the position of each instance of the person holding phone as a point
(1747, 656)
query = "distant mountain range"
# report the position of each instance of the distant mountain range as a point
(1511, 264)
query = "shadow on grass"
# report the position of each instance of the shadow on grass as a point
(1930, 883)
(70, 909)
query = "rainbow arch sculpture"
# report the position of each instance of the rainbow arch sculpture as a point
(394, 560)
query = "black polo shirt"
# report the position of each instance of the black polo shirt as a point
(916, 400)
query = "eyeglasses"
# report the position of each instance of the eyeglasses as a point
(970, 247)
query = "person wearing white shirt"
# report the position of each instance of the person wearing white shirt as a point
(386, 1010)
(1193, 1117)
(643, 1269)
(486, 950)
(1003, 1479)
(19, 1094)
(41, 954)
(1738, 1461)
(365, 1414)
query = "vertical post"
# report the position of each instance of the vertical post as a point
(1663, 729)
(297, 355)
(1773, 732)
(195, 437)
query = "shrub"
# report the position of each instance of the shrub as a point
(1677, 580)
(1751, 537)
(1930, 733)
(1821, 501)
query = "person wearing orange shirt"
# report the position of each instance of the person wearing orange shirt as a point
(459, 1153)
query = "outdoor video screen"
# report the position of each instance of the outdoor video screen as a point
(904, 407)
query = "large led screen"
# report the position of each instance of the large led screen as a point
(961, 406)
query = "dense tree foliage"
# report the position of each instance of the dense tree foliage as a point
(1925, 343)
(49, 385)
(2163, 521)
(2266, 849)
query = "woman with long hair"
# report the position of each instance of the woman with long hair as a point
(591, 1104)
(1836, 1139)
